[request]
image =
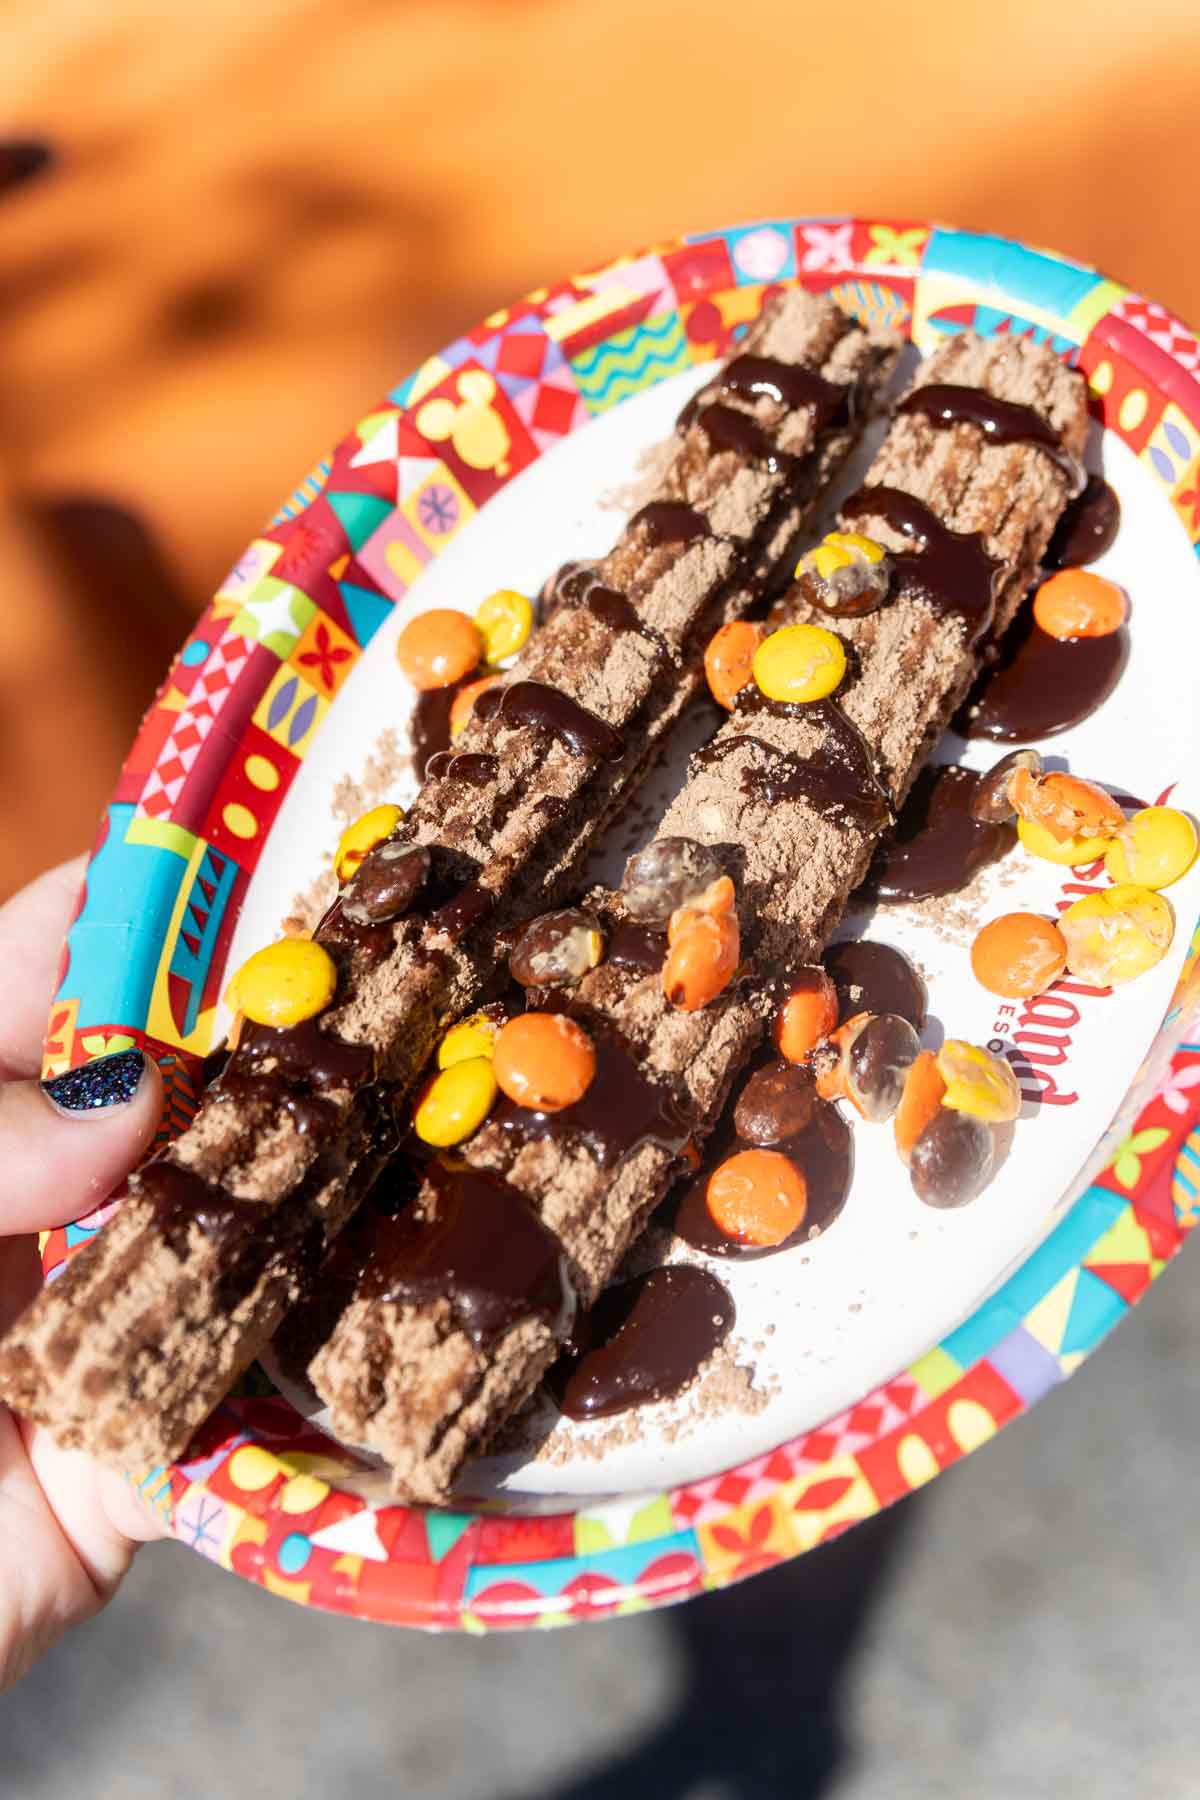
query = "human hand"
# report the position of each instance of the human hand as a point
(68, 1527)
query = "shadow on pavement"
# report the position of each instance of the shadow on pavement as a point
(765, 1665)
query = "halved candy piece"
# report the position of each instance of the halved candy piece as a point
(920, 1102)
(1066, 805)
(978, 1083)
(866, 1062)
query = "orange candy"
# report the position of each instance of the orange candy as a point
(438, 648)
(1066, 805)
(807, 1015)
(463, 703)
(920, 1102)
(757, 1197)
(1078, 604)
(544, 1061)
(717, 898)
(729, 660)
(704, 948)
(1018, 955)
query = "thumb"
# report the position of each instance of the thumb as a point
(66, 1144)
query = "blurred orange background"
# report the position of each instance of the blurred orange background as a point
(259, 216)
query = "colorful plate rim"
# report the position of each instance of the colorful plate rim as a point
(258, 1492)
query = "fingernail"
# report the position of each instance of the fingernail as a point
(109, 1081)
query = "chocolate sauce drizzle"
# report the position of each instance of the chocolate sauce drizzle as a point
(671, 522)
(621, 1110)
(615, 610)
(579, 584)
(481, 1247)
(309, 1113)
(822, 1149)
(1087, 529)
(789, 385)
(838, 780)
(302, 1056)
(728, 429)
(473, 766)
(584, 589)
(429, 725)
(876, 978)
(374, 943)
(676, 522)
(553, 586)
(254, 1240)
(545, 708)
(635, 946)
(764, 377)
(949, 569)
(181, 1198)
(936, 846)
(466, 908)
(1001, 421)
(645, 1339)
(620, 614)
(1042, 685)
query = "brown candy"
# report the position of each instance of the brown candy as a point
(879, 1058)
(872, 977)
(849, 592)
(776, 1104)
(386, 883)
(990, 803)
(952, 1159)
(557, 949)
(667, 874)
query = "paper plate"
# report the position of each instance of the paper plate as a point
(901, 1340)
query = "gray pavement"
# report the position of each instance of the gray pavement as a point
(1024, 1628)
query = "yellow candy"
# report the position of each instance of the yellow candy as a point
(362, 836)
(860, 547)
(1074, 851)
(471, 1037)
(825, 559)
(978, 1083)
(1155, 847)
(1117, 934)
(456, 1102)
(284, 984)
(505, 620)
(800, 662)
(838, 549)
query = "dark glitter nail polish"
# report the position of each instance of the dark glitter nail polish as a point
(109, 1081)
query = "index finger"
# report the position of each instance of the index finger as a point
(33, 925)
